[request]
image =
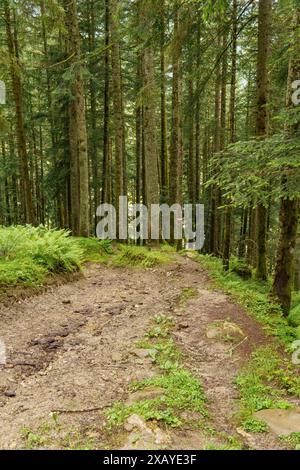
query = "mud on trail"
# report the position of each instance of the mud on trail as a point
(71, 351)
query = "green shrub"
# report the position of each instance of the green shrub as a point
(242, 270)
(29, 254)
(294, 316)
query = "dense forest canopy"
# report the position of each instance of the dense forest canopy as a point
(170, 101)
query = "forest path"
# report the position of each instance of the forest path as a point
(73, 348)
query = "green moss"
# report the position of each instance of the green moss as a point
(234, 445)
(295, 299)
(140, 257)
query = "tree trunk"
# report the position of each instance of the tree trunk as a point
(105, 165)
(163, 116)
(262, 122)
(19, 110)
(175, 149)
(117, 106)
(78, 134)
(289, 208)
(232, 136)
(215, 191)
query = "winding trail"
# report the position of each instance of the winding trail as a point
(72, 349)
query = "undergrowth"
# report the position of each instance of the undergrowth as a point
(269, 379)
(253, 296)
(29, 254)
(104, 251)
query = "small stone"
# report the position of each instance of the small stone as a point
(116, 357)
(160, 437)
(115, 310)
(281, 422)
(213, 333)
(224, 329)
(135, 421)
(66, 302)
(232, 329)
(10, 393)
(248, 437)
(144, 353)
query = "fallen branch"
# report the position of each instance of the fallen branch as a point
(230, 351)
(84, 410)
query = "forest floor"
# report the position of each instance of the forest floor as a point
(74, 351)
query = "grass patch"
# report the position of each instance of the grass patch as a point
(51, 434)
(95, 250)
(180, 390)
(140, 257)
(293, 440)
(266, 382)
(232, 444)
(253, 296)
(187, 294)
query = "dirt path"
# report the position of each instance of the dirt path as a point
(72, 348)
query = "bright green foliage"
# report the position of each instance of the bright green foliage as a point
(246, 169)
(234, 446)
(294, 316)
(95, 250)
(254, 425)
(29, 254)
(50, 432)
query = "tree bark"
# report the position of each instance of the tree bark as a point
(289, 208)
(118, 119)
(232, 135)
(262, 122)
(78, 133)
(28, 212)
(105, 165)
